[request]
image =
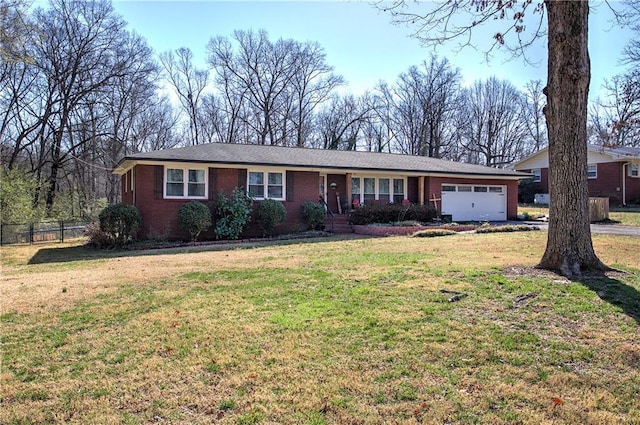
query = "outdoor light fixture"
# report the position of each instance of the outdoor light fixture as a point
(333, 186)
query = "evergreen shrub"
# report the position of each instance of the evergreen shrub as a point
(271, 213)
(379, 213)
(194, 217)
(314, 214)
(121, 222)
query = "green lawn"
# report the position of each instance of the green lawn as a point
(355, 331)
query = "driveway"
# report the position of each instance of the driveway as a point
(606, 229)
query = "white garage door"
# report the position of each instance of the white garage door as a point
(474, 202)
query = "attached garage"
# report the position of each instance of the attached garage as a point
(466, 202)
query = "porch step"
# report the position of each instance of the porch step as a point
(340, 224)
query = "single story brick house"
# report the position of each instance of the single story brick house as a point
(159, 182)
(612, 173)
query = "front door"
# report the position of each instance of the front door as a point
(322, 187)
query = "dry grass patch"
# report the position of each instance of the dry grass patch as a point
(350, 331)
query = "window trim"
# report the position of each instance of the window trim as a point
(630, 169)
(595, 171)
(265, 183)
(185, 182)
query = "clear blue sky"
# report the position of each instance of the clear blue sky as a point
(360, 41)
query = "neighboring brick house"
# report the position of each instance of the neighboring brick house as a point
(159, 182)
(612, 173)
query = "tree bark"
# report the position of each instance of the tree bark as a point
(569, 246)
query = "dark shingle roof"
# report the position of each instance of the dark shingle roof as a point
(260, 155)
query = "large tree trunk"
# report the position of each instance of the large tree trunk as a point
(569, 247)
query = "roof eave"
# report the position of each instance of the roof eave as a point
(127, 163)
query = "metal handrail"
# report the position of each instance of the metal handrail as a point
(324, 202)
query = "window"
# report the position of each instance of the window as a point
(464, 188)
(369, 189)
(537, 175)
(385, 189)
(495, 189)
(185, 183)
(274, 186)
(266, 185)
(448, 188)
(592, 171)
(480, 188)
(398, 190)
(634, 170)
(355, 188)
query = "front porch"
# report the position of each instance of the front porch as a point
(343, 192)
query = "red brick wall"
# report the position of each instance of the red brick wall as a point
(433, 185)
(412, 190)
(160, 216)
(608, 184)
(633, 189)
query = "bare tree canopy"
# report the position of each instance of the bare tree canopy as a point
(75, 107)
(189, 84)
(270, 89)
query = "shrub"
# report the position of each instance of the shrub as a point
(194, 217)
(121, 222)
(527, 190)
(96, 237)
(391, 213)
(431, 233)
(271, 213)
(232, 214)
(314, 214)
(506, 228)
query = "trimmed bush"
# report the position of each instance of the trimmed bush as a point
(194, 217)
(121, 222)
(506, 228)
(314, 214)
(232, 214)
(390, 213)
(432, 233)
(271, 213)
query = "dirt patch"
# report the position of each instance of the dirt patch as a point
(534, 272)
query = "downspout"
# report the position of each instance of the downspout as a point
(624, 184)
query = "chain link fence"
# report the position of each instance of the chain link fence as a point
(38, 232)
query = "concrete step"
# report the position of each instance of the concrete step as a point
(340, 224)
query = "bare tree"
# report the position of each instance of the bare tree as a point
(420, 106)
(615, 120)
(261, 70)
(78, 103)
(76, 55)
(312, 83)
(340, 122)
(15, 30)
(569, 246)
(536, 128)
(495, 130)
(270, 90)
(189, 84)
